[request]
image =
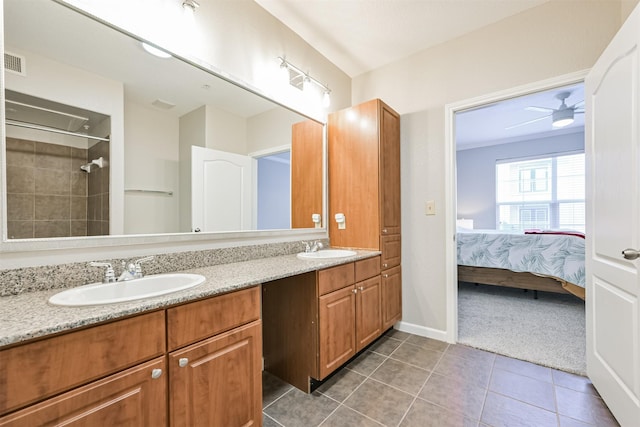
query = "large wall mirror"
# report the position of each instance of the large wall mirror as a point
(104, 138)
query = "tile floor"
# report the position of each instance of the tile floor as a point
(407, 380)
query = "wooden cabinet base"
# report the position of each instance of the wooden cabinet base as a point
(130, 398)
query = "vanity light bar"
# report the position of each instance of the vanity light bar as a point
(305, 76)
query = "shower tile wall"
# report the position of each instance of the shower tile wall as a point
(47, 193)
(98, 192)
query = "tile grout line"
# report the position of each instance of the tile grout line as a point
(406, 412)
(367, 377)
(486, 390)
(280, 397)
(386, 357)
(272, 419)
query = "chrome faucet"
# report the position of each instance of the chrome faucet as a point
(109, 275)
(133, 270)
(313, 246)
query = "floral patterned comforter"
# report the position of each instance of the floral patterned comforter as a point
(560, 256)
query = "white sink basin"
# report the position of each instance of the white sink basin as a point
(327, 254)
(109, 293)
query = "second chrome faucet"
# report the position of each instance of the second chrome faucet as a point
(130, 271)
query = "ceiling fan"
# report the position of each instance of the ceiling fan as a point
(560, 117)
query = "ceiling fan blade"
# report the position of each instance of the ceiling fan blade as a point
(540, 109)
(578, 105)
(527, 122)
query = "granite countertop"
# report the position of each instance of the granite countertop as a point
(29, 315)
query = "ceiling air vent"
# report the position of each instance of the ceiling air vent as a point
(15, 63)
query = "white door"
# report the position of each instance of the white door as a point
(612, 91)
(222, 190)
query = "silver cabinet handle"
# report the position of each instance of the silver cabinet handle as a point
(385, 276)
(355, 291)
(385, 265)
(384, 231)
(630, 254)
(183, 361)
(361, 288)
(156, 373)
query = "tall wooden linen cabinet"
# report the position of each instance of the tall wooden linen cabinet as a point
(364, 186)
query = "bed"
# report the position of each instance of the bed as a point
(550, 261)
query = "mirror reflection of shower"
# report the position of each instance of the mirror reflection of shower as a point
(65, 150)
(99, 162)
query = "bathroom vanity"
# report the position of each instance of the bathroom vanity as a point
(200, 360)
(189, 358)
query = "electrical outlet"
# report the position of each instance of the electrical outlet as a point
(430, 207)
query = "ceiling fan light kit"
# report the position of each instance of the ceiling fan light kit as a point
(562, 118)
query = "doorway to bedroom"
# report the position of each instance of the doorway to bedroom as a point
(520, 223)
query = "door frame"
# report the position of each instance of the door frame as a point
(450, 209)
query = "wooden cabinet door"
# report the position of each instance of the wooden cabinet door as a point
(134, 397)
(218, 381)
(391, 247)
(391, 297)
(337, 339)
(389, 170)
(353, 176)
(306, 173)
(368, 312)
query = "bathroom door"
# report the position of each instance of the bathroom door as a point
(222, 190)
(612, 148)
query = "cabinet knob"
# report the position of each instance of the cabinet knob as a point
(385, 265)
(385, 276)
(156, 373)
(355, 291)
(361, 288)
(183, 361)
(384, 231)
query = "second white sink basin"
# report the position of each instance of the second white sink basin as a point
(327, 254)
(109, 293)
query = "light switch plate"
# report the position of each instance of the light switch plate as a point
(430, 207)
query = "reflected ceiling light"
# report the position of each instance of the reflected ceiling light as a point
(562, 118)
(302, 80)
(155, 51)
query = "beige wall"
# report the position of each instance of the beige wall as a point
(556, 38)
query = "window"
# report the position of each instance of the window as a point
(541, 193)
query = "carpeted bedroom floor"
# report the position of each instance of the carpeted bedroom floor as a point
(549, 331)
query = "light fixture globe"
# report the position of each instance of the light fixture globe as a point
(562, 118)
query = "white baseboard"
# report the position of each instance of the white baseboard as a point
(423, 331)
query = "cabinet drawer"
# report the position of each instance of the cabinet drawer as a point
(335, 278)
(367, 268)
(193, 322)
(133, 398)
(40, 369)
(390, 246)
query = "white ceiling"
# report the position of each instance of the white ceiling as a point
(362, 35)
(487, 125)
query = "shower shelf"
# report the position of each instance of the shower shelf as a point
(161, 192)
